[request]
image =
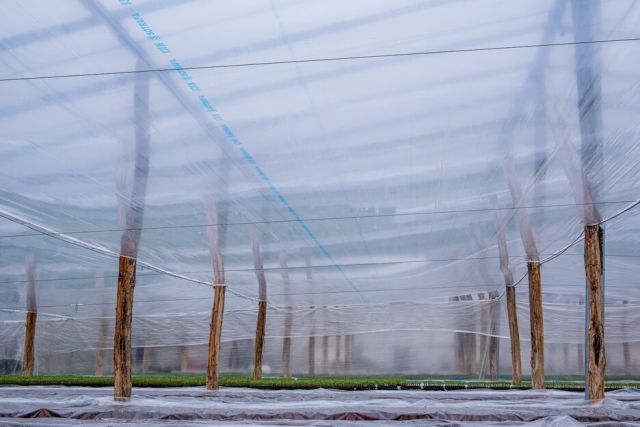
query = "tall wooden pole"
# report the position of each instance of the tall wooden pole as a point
(215, 334)
(536, 325)
(288, 321)
(132, 211)
(533, 269)
(596, 361)
(28, 358)
(510, 290)
(626, 351)
(312, 337)
(216, 234)
(262, 311)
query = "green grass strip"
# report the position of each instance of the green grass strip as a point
(341, 383)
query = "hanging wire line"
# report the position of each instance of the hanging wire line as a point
(311, 266)
(327, 59)
(576, 240)
(332, 218)
(108, 252)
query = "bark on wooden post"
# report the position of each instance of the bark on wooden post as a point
(216, 235)
(510, 290)
(536, 325)
(494, 343)
(533, 268)
(215, 334)
(593, 237)
(131, 211)
(626, 351)
(262, 311)
(122, 335)
(325, 354)
(312, 337)
(28, 357)
(514, 333)
(288, 320)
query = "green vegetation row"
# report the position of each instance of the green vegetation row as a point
(341, 383)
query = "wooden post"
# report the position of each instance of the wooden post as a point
(325, 354)
(28, 357)
(514, 334)
(537, 330)
(533, 267)
(494, 343)
(262, 311)
(470, 347)
(338, 341)
(596, 360)
(216, 235)
(510, 290)
(626, 351)
(131, 218)
(312, 337)
(102, 334)
(184, 358)
(288, 321)
(458, 338)
(215, 334)
(122, 335)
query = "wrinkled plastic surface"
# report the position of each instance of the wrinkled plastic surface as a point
(366, 182)
(307, 407)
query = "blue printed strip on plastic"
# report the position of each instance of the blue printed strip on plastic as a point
(217, 117)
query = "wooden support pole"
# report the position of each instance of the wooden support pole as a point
(215, 334)
(28, 357)
(262, 311)
(312, 337)
(131, 210)
(122, 334)
(510, 291)
(514, 334)
(626, 351)
(338, 343)
(184, 358)
(458, 338)
(216, 235)
(533, 268)
(494, 343)
(596, 360)
(288, 320)
(325, 354)
(536, 325)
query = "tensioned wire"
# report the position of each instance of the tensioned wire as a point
(326, 59)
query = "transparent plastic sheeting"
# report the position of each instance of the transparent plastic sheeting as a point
(187, 406)
(366, 183)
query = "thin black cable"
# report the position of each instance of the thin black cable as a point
(328, 59)
(334, 218)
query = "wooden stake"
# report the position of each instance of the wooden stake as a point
(288, 321)
(626, 351)
(184, 358)
(131, 214)
(260, 327)
(30, 320)
(312, 355)
(512, 315)
(514, 333)
(215, 334)
(325, 354)
(494, 343)
(122, 333)
(262, 310)
(593, 237)
(537, 330)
